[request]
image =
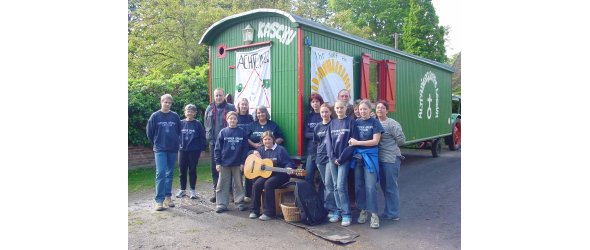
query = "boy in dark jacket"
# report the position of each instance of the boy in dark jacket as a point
(230, 153)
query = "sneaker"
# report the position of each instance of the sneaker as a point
(159, 206)
(247, 199)
(374, 221)
(242, 208)
(346, 219)
(219, 209)
(387, 217)
(193, 194)
(334, 217)
(180, 193)
(253, 215)
(264, 217)
(168, 201)
(212, 199)
(363, 217)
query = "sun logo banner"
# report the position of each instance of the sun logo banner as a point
(253, 78)
(330, 72)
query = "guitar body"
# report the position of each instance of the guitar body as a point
(253, 167)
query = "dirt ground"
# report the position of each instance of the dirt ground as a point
(430, 206)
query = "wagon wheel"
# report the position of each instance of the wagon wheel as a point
(436, 147)
(455, 144)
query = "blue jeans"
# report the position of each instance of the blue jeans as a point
(389, 174)
(328, 200)
(165, 162)
(340, 188)
(365, 188)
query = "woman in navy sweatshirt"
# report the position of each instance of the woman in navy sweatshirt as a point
(280, 159)
(263, 123)
(244, 122)
(312, 119)
(163, 131)
(192, 142)
(341, 130)
(366, 173)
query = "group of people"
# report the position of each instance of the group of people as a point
(353, 139)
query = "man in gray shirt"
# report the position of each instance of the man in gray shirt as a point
(214, 121)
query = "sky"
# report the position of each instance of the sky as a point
(449, 14)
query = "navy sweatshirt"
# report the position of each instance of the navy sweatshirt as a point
(244, 122)
(340, 131)
(192, 137)
(231, 147)
(366, 129)
(310, 122)
(279, 156)
(320, 131)
(163, 131)
(256, 130)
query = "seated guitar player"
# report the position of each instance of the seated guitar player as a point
(280, 158)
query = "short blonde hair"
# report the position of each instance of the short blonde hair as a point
(166, 96)
(230, 114)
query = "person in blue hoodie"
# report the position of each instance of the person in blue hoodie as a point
(280, 159)
(163, 131)
(366, 172)
(192, 142)
(312, 119)
(230, 153)
(341, 130)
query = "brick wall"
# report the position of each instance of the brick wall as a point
(139, 156)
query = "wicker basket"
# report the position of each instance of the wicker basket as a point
(291, 212)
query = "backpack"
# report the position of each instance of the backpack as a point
(311, 205)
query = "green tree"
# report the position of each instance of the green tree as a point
(379, 19)
(164, 34)
(315, 10)
(422, 35)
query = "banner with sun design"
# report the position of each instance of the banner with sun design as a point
(331, 72)
(253, 78)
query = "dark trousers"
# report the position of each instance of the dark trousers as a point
(269, 185)
(248, 187)
(188, 161)
(214, 172)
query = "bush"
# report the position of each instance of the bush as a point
(190, 86)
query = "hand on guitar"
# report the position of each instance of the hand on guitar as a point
(297, 172)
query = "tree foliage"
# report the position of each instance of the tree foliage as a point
(377, 20)
(422, 34)
(144, 94)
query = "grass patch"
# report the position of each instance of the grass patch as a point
(145, 178)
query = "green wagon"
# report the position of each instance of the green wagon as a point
(278, 59)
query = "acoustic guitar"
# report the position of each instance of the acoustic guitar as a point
(255, 166)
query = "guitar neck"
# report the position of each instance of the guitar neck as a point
(274, 169)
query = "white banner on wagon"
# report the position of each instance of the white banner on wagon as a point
(253, 78)
(330, 72)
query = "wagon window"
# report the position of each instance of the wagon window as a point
(373, 82)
